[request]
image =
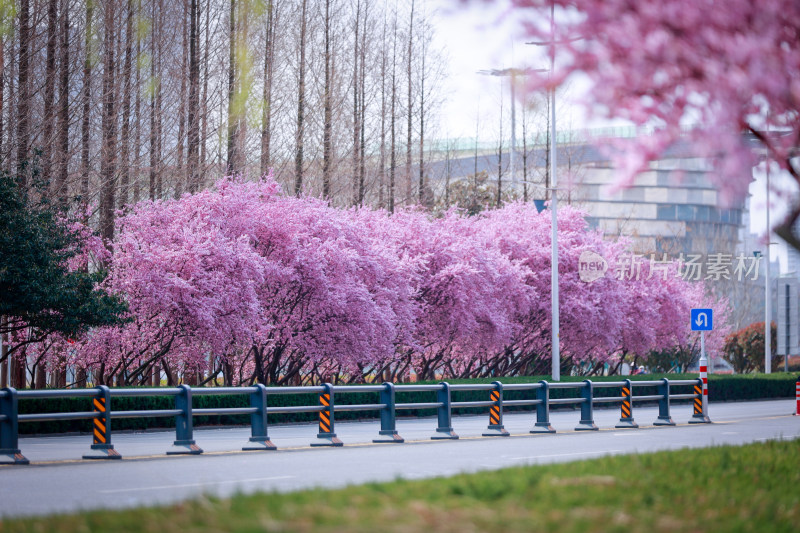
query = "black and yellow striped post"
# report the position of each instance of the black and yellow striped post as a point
(698, 416)
(101, 427)
(495, 428)
(326, 435)
(626, 408)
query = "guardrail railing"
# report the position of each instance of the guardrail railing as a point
(387, 406)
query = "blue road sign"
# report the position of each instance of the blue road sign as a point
(702, 319)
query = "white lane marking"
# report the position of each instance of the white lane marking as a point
(782, 437)
(604, 452)
(186, 485)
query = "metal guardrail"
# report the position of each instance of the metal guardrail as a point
(102, 414)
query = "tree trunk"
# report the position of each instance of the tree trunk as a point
(233, 121)
(326, 128)
(23, 94)
(48, 142)
(181, 182)
(301, 100)
(194, 97)
(126, 110)
(87, 109)
(204, 127)
(410, 106)
(62, 171)
(109, 127)
(356, 129)
(393, 148)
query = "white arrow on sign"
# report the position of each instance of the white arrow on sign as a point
(702, 320)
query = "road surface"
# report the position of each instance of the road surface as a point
(57, 481)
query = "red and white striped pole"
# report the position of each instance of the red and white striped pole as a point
(797, 396)
(704, 372)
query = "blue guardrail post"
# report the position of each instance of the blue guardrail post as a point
(101, 427)
(326, 435)
(444, 414)
(184, 443)
(388, 431)
(626, 408)
(542, 424)
(495, 428)
(259, 438)
(663, 405)
(10, 453)
(587, 408)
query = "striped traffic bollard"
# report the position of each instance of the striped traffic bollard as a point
(10, 453)
(797, 396)
(626, 409)
(698, 414)
(495, 428)
(101, 427)
(326, 434)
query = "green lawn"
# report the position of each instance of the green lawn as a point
(749, 488)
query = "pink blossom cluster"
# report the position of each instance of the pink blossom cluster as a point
(247, 284)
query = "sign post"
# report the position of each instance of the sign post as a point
(702, 321)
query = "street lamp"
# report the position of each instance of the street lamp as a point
(513, 73)
(556, 349)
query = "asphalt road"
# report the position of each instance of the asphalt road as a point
(58, 481)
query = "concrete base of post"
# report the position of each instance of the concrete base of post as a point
(444, 434)
(543, 427)
(327, 439)
(13, 457)
(496, 430)
(626, 423)
(390, 436)
(699, 418)
(664, 421)
(184, 448)
(102, 451)
(586, 425)
(259, 444)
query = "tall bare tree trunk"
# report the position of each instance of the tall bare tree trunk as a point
(392, 119)
(125, 175)
(48, 142)
(181, 182)
(382, 168)
(23, 93)
(137, 119)
(87, 106)
(194, 97)
(269, 61)
(326, 128)
(233, 121)
(204, 127)
(410, 105)
(356, 129)
(301, 101)
(155, 155)
(362, 168)
(109, 127)
(62, 126)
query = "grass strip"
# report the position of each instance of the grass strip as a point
(728, 488)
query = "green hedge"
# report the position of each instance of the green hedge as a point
(721, 388)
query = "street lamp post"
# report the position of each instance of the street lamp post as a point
(556, 337)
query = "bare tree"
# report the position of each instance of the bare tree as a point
(301, 97)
